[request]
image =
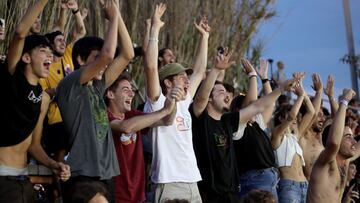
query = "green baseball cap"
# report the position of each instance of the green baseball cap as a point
(173, 69)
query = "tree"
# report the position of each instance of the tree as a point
(233, 22)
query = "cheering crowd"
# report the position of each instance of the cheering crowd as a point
(68, 103)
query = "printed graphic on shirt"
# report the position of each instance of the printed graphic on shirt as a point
(221, 140)
(32, 97)
(127, 139)
(99, 113)
(183, 123)
(67, 69)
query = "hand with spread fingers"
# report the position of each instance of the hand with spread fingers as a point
(317, 84)
(329, 89)
(222, 61)
(247, 66)
(159, 12)
(298, 87)
(262, 70)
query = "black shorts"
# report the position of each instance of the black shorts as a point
(55, 138)
(16, 189)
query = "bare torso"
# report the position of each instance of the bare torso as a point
(294, 172)
(326, 184)
(15, 156)
(312, 146)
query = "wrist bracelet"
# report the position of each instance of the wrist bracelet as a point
(153, 39)
(75, 12)
(344, 101)
(251, 74)
(263, 81)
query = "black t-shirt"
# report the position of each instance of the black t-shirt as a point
(253, 150)
(20, 107)
(214, 150)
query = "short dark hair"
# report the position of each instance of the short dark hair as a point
(52, 35)
(34, 41)
(281, 112)
(86, 190)
(236, 103)
(83, 48)
(228, 87)
(161, 54)
(258, 196)
(114, 85)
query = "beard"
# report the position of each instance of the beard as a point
(317, 129)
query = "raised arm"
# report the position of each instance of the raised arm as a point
(108, 50)
(329, 91)
(252, 92)
(318, 88)
(307, 119)
(17, 43)
(147, 35)
(261, 104)
(202, 97)
(60, 24)
(201, 57)
(279, 131)
(263, 73)
(79, 21)
(36, 150)
(151, 55)
(125, 56)
(336, 130)
(137, 123)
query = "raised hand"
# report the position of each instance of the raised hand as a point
(348, 94)
(317, 84)
(262, 70)
(299, 76)
(177, 93)
(288, 85)
(159, 12)
(329, 89)
(72, 5)
(247, 66)
(222, 61)
(203, 26)
(110, 9)
(298, 87)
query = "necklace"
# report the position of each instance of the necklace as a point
(342, 171)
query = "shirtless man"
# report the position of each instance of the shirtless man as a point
(311, 142)
(28, 60)
(328, 175)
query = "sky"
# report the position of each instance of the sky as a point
(310, 36)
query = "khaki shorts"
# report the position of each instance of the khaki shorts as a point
(183, 191)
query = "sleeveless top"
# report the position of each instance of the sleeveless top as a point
(285, 153)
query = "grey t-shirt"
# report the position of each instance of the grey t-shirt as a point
(83, 111)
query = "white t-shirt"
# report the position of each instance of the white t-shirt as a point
(173, 154)
(240, 133)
